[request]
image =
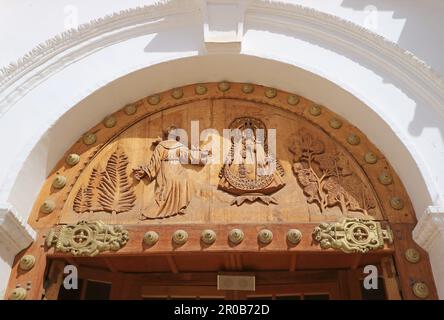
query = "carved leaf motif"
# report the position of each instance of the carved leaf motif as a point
(115, 192)
(327, 178)
(85, 197)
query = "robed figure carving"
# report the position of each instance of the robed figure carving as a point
(250, 172)
(172, 191)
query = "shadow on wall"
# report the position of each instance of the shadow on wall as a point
(419, 121)
(179, 40)
(420, 17)
(418, 24)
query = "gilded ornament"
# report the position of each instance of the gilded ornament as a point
(89, 138)
(27, 262)
(270, 93)
(265, 236)
(396, 203)
(180, 237)
(208, 236)
(236, 236)
(385, 178)
(154, 99)
(293, 99)
(353, 139)
(47, 206)
(294, 236)
(87, 238)
(224, 86)
(335, 123)
(150, 238)
(315, 110)
(412, 255)
(421, 290)
(177, 93)
(59, 182)
(370, 158)
(72, 159)
(352, 235)
(109, 121)
(18, 294)
(247, 88)
(200, 89)
(130, 109)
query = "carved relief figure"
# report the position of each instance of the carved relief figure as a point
(108, 190)
(249, 172)
(172, 188)
(327, 178)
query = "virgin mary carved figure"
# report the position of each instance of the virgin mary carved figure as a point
(250, 172)
(172, 190)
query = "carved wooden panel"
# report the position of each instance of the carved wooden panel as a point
(315, 179)
(325, 169)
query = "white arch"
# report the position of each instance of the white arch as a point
(65, 87)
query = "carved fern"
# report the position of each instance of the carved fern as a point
(84, 200)
(115, 192)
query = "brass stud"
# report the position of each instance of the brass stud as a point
(353, 139)
(177, 93)
(293, 99)
(396, 203)
(421, 290)
(412, 255)
(89, 138)
(208, 236)
(370, 158)
(224, 86)
(18, 294)
(385, 178)
(265, 236)
(270, 93)
(59, 182)
(154, 99)
(72, 159)
(109, 121)
(335, 123)
(130, 109)
(27, 262)
(180, 237)
(315, 110)
(47, 206)
(200, 89)
(247, 88)
(150, 238)
(236, 236)
(294, 236)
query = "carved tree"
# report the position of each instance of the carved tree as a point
(327, 178)
(108, 190)
(85, 199)
(115, 192)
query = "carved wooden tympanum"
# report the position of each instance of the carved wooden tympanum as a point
(272, 166)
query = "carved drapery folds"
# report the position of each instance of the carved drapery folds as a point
(250, 172)
(327, 177)
(352, 235)
(108, 190)
(87, 238)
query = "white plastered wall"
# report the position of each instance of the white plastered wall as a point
(393, 99)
